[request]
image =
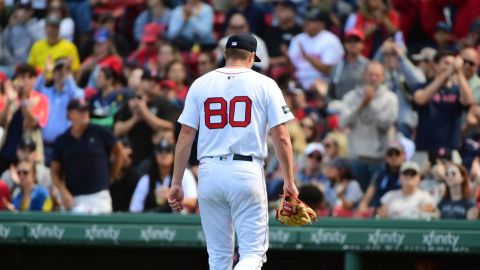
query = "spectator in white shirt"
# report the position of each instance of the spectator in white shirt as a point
(316, 50)
(152, 189)
(409, 202)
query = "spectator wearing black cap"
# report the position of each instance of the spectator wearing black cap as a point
(53, 46)
(27, 151)
(278, 37)
(19, 35)
(60, 90)
(148, 112)
(312, 196)
(385, 180)
(347, 74)
(151, 193)
(443, 37)
(156, 12)
(81, 167)
(315, 50)
(25, 112)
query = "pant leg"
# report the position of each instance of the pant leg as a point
(249, 206)
(215, 216)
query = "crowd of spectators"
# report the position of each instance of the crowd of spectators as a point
(386, 95)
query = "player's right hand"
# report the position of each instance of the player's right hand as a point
(175, 197)
(290, 188)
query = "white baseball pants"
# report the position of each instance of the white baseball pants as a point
(232, 199)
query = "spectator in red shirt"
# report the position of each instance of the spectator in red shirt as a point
(378, 22)
(25, 112)
(177, 72)
(104, 55)
(146, 52)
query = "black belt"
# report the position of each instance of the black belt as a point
(237, 157)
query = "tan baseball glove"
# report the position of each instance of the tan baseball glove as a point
(294, 212)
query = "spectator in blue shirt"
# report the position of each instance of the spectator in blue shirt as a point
(440, 105)
(387, 179)
(155, 13)
(191, 23)
(312, 171)
(31, 197)
(59, 90)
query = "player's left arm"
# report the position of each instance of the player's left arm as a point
(182, 153)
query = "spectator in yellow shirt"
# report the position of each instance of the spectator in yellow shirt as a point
(53, 46)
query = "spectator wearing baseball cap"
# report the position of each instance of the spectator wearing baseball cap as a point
(81, 168)
(53, 46)
(316, 50)
(152, 189)
(425, 61)
(191, 23)
(385, 180)
(312, 170)
(59, 90)
(104, 56)
(444, 38)
(155, 13)
(151, 40)
(27, 151)
(347, 74)
(409, 202)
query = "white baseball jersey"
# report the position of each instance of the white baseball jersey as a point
(231, 108)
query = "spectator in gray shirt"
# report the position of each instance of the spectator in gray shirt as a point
(347, 74)
(401, 76)
(19, 35)
(369, 112)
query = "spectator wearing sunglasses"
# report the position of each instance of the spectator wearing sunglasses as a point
(409, 202)
(386, 180)
(152, 189)
(456, 203)
(312, 170)
(31, 197)
(470, 68)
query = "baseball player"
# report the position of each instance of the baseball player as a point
(232, 108)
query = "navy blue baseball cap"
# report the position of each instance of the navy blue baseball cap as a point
(245, 42)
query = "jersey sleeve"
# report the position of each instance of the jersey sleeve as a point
(190, 115)
(277, 109)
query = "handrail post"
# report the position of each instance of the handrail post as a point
(352, 261)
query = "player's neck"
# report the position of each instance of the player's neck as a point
(236, 64)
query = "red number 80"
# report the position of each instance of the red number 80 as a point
(222, 112)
